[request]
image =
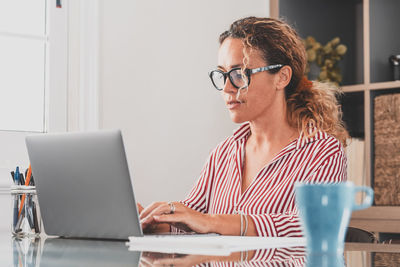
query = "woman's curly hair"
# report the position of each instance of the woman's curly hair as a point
(311, 106)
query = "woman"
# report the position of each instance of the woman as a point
(292, 132)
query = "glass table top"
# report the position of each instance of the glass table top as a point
(73, 252)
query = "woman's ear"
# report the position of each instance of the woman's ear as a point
(284, 76)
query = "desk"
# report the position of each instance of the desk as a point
(68, 252)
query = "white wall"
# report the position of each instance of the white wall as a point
(12, 143)
(154, 60)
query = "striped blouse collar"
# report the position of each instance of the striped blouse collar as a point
(244, 131)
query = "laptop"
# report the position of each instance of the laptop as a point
(83, 185)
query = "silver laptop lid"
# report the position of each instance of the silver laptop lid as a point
(83, 185)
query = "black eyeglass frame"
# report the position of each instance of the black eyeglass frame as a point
(248, 73)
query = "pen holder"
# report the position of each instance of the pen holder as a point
(26, 213)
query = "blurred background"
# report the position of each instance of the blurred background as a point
(138, 66)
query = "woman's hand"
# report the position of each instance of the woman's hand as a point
(140, 208)
(182, 217)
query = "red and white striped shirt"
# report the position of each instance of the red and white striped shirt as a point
(269, 199)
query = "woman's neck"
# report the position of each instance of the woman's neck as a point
(272, 130)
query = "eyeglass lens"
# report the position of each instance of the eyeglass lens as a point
(237, 78)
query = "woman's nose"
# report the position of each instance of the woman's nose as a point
(228, 87)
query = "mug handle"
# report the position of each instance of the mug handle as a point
(369, 198)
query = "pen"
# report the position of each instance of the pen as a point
(21, 179)
(15, 220)
(19, 222)
(29, 211)
(16, 176)
(35, 218)
(16, 198)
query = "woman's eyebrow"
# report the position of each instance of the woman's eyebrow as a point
(231, 67)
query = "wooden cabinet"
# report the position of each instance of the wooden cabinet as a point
(370, 29)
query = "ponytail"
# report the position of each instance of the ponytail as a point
(313, 106)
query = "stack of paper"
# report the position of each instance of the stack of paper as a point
(209, 245)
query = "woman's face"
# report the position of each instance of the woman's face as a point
(259, 99)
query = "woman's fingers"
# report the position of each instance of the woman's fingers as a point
(140, 208)
(175, 214)
(162, 209)
(168, 218)
(150, 208)
(159, 210)
(186, 219)
(180, 220)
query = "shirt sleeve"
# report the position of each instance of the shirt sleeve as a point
(332, 170)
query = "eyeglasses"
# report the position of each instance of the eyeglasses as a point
(239, 79)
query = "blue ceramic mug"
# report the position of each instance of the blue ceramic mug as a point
(325, 211)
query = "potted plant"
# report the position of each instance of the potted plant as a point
(322, 60)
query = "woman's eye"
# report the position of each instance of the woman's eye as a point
(237, 75)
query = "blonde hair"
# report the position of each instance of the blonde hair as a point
(309, 105)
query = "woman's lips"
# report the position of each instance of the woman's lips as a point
(233, 104)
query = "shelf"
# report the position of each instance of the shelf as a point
(353, 88)
(370, 30)
(371, 247)
(371, 86)
(384, 85)
(384, 37)
(377, 219)
(319, 24)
